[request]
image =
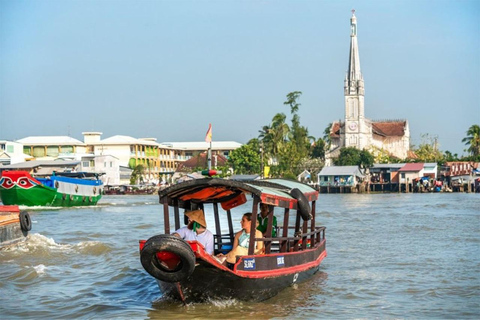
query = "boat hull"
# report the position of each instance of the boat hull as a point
(10, 228)
(208, 281)
(22, 189)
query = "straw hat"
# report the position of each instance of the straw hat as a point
(197, 216)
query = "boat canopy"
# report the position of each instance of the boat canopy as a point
(274, 192)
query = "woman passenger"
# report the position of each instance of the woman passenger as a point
(242, 241)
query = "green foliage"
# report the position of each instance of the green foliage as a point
(246, 159)
(326, 135)
(428, 151)
(314, 166)
(382, 156)
(473, 140)
(353, 157)
(284, 146)
(317, 150)
(137, 174)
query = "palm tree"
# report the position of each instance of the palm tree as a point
(473, 140)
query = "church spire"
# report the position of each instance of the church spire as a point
(354, 78)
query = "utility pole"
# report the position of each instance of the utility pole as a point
(261, 164)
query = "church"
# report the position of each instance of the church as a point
(390, 136)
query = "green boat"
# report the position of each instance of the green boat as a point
(61, 189)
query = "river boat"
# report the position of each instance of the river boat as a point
(60, 189)
(14, 225)
(186, 272)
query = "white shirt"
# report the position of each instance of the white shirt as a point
(205, 238)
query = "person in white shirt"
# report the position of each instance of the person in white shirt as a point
(196, 230)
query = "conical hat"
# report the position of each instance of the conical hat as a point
(198, 216)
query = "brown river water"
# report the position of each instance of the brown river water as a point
(390, 256)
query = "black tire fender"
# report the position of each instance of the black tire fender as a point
(25, 221)
(303, 207)
(172, 245)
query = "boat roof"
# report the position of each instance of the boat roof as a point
(275, 192)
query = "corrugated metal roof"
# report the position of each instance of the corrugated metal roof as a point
(41, 163)
(388, 165)
(50, 140)
(341, 171)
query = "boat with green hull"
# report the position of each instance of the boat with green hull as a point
(61, 189)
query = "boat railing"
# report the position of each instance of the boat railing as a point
(300, 241)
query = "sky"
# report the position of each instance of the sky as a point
(166, 69)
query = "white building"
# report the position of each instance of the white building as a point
(159, 160)
(392, 136)
(52, 147)
(11, 153)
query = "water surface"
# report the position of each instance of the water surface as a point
(390, 256)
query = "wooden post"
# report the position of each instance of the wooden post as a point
(177, 214)
(312, 225)
(218, 230)
(166, 217)
(268, 232)
(283, 247)
(297, 229)
(253, 227)
(230, 226)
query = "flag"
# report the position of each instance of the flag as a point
(208, 137)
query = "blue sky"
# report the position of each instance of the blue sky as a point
(166, 69)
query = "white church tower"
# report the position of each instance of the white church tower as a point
(358, 129)
(390, 136)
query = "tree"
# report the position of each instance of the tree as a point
(246, 159)
(137, 174)
(317, 150)
(351, 156)
(428, 151)
(298, 134)
(473, 140)
(326, 135)
(314, 166)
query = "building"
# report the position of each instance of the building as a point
(410, 172)
(186, 150)
(160, 161)
(340, 176)
(391, 136)
(385, 172)
(12, 152)
(52, 147)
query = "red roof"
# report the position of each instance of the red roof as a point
(389, 128)
(335, 130)
(411, 167)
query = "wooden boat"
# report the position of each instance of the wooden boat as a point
(185, 271)
(61, 189)
(14, 225)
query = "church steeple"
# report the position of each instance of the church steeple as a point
(356, 127)
(353, 78)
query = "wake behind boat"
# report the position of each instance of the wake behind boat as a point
(60, 189)
(184, 269)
